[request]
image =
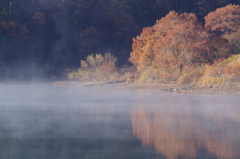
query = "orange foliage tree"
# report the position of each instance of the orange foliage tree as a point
(224, 20)
(173, 42)
(186, 44)
(142, 55)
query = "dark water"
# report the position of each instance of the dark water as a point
(72, 122)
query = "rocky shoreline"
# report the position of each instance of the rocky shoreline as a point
(191, 89)
(165, 87)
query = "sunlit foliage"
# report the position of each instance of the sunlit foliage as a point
(142, 55)
(224, 72)
(96, 67)
(224, 20)
(185, 43)
(173, 42)
(178, 44)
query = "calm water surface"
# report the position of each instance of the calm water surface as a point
(47, 121)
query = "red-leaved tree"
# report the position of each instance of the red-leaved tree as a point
(142, 55)
(175, 41)
(187, 44)
(223, 20)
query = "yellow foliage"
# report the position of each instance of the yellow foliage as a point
(73, 75)
(96, 67)
(191, 74)
(149, 75)
(83, 64)
(108, 57)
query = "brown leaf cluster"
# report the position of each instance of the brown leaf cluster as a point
(224, 20)
(14, 29)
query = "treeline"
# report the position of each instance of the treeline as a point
(42, 38)
(179, 48)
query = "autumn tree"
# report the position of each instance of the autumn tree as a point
(142, 55)
(186, 45)
(223, 20)
(175, 41)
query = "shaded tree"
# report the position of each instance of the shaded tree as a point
(203, 8)
(234, 41)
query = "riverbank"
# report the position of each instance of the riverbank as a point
(189, 89)
(166, 87)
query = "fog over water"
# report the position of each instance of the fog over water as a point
(44, 121)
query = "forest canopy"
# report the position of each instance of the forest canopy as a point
(44, 38)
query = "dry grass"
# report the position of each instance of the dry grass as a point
(222, 73)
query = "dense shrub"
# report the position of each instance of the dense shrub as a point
(234, 42)
(222, 73)
(179, 49)
(96, 67)
(149, 75)
(191, 74)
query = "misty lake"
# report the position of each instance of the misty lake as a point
(46, 121)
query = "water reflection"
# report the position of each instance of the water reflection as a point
(189, 131)
(70, 122)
